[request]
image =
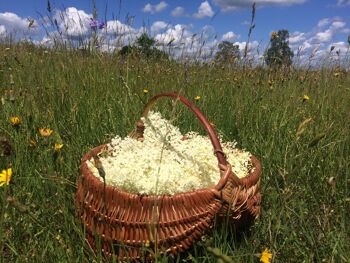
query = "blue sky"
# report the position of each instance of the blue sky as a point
(311, 23)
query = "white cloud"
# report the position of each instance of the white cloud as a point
(118, 35)
(178, 11)
(118, 28)
(107, 48)
(73, 22)
(334, 23)
(204, 10)
(252, 46)
(148, 8)
(306, 45)
(345, 30)
(230, 35)
(338, 24)
(48, 41)
(343, 2)
(12, 23)
(253, 51)
(208, 31)
(324, 22)
(324, 36)
(303, 51)
(176, 34)
(184, 44)
(341, 46)
(75, 25)
(229, 5)
(180, 38)
(334, 26)
(326, 57)
(2, 29)
(158, 26)
(317, 41)
(296, 37)
(326, 30)
(53, 38)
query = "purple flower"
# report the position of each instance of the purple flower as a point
(101, 25)
(93, 24)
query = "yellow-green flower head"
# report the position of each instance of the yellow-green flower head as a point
(266, 256)
(45, 132)
(57, 147)
(32, 142)
(15, 120)
(306, 98)
(274, 35)
(197, 98)
(336, 74)
(145, 91)
(5, 176)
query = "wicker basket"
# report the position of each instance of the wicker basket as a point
(126, 223)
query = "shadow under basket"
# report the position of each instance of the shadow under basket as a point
(133, 226)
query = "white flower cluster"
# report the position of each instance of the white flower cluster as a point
(164, 163)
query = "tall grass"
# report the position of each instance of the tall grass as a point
(88, 98)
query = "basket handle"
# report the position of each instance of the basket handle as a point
(209, 129)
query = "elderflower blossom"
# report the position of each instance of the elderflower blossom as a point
(164, 163)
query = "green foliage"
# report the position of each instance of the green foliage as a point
(228, 53)
(279, 52)
(87, 100)
(126, 50)
(145, 42)
(144, 47)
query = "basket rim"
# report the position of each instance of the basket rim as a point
(248, 181)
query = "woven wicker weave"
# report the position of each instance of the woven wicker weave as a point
(125, 222)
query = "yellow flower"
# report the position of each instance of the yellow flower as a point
(306, 98)
(147, 243)
(266, 256)
(274, 34)
(5, 176)
(145, 91)
(15, 120)
(197, 97)
(45, 132)
(336, 74)
(57, 147)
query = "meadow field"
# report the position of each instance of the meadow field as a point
(296, 122)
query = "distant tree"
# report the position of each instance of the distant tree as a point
(145, 43)
(279, 52)
(126, 50)
(144, 46)
(227, 54)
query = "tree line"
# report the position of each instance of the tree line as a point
(228, 54)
